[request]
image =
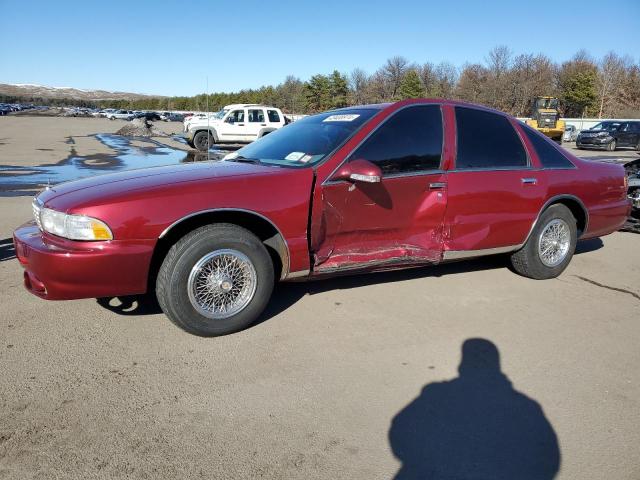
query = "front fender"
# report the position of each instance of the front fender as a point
(212, 131)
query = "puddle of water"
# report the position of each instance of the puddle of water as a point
(21, 180)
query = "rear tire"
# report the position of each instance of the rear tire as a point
(215, 280)
(550, 246)
(203, 141)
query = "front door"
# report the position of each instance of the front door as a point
(398, 221)
(628, 134)
(232, 128)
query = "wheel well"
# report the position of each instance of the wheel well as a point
(211, 131)
(259, 226)
(577, 210)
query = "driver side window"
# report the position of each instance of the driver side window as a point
(409, 141)
(236, 116)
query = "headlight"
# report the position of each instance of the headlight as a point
(73, 227)
(603, 134)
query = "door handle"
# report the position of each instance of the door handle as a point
(240, 124)
(437, 185)
(529, 181)
(263, 124)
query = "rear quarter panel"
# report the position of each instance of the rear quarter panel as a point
(601, 188)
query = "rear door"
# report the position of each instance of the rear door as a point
(397, 221)
(494, 193)
(256, 121)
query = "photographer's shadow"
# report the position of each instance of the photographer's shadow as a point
(475, 426)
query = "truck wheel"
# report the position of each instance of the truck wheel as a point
(550, 246)
(612, 146)
(203, 141)
(215, 280)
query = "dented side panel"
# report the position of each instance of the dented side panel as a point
(395, 222)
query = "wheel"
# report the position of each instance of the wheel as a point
(215, 280)
(612, 146)
(112, 118)
(203, 141)
(638, 146)
(550, 246)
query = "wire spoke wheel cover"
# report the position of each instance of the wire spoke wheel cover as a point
(222, 283)
(554, 242)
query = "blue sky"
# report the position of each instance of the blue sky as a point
(170, 47)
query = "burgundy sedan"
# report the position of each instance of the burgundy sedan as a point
(366, 188)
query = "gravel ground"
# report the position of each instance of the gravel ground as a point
(352, 378)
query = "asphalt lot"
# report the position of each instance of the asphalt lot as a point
(341, 379)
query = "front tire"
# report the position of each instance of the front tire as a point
(612, 146)
(203, 141)
(550, 246)
(215, 280)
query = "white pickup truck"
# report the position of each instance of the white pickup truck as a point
(240, 123)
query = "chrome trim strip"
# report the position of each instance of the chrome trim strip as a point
(416, 173)
(449, 255)
(285, 256)
(492, 169)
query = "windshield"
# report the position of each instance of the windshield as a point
(547, 103)
(220, 114)
(609, 126)
(306, 141)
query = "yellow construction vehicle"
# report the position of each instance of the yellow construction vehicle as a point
(545, 117)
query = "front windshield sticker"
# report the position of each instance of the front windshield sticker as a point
(294, 156)
(341, 118)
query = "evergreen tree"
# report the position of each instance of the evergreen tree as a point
(411, 86)
(318, 93)
(339, 86)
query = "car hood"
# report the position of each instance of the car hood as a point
(67, 195)
(596, 131)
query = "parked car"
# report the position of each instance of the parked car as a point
(121, 115)
(242, 123)
(172, 117)
(610, 135)
(369, 188)
(151, 116)
(570, 134)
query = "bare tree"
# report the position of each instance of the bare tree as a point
(610, 73)
(393, 72)
(358, 83)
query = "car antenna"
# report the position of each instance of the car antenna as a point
(208, 129)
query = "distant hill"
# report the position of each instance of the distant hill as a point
(42, 91)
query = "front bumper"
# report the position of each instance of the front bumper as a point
(593, 142)
(60, 269)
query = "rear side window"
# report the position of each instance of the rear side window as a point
(487, 140)
(256, 115)
(410, 141)
(550, 157)
(273, 116)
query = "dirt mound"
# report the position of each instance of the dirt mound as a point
(140, 127)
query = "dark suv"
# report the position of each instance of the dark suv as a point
(610, 135)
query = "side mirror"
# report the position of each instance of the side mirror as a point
(359, 171)
(230, 120)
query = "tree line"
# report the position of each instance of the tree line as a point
(605, 87)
